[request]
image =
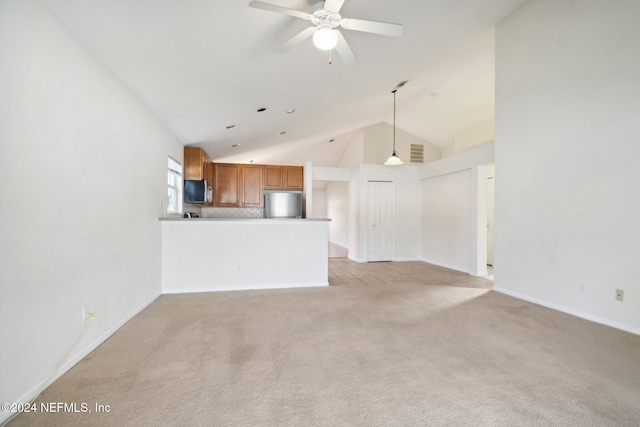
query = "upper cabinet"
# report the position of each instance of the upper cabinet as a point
(196, 164)
(272, 177)
(227, 189)
(240, 185)
(252, 186)
(293, 178)
(283, 177)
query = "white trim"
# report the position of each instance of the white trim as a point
(352, 258)
(581, 314)
(483, 276)
(405, 259)
(39, 388)
(243, 288)
(451, 267)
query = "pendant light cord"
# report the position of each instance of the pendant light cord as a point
(394, 121)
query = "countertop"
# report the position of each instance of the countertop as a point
(249, 220)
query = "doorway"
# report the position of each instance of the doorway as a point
(490, 217)
(380, 225)
(490, 213)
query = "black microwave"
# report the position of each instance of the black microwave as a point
(197, 191)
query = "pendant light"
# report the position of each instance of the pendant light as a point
(394, 160)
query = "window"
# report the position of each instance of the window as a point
(174, 200)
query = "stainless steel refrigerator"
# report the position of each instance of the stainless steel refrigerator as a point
(283, 204)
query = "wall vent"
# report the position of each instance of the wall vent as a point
(417, 153)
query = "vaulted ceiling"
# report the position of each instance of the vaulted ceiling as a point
(202, 65)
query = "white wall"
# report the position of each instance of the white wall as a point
(378, 145)
(84, 168)
(354, 216)
(567, 150)
(474, 136)
(338, 212)
(454, 210)
(446, 220)
(334, 203)
(354, 153)
(448, 150)
(248, 259)
(319, 209)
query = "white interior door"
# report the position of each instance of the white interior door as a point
(490, 215)
(380, 244)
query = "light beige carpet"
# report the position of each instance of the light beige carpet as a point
(408, 351)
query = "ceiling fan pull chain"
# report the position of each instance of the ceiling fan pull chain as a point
(330, 61)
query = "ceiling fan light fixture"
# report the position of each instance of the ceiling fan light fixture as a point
(325, 37)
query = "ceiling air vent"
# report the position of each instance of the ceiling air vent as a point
(417, 153)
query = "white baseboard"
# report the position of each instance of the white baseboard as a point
(242, 288)
(39, 388)
(449, 266)
(405, 259)
(356, 259)
(564, 309)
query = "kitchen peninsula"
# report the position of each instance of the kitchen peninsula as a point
(211, 254)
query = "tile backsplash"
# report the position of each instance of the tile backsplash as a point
(232, 213)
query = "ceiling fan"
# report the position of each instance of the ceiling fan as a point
(326, 16)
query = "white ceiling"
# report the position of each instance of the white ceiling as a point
(200, 65)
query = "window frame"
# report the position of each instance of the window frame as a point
(174, 170)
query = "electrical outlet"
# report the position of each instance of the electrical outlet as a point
(619, 295)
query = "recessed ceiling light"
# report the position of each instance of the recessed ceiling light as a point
(231, 126)
(260, 110)
(235, 145)
(291, 111)
(283, 132)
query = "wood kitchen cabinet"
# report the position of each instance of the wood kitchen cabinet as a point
(283, 177)
(227, 185)
(292, 178)
(252, 186)
(272, 177)
(237, 185)
(196, 164)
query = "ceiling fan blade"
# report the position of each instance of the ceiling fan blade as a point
(279, 9)
(333, 5)
(384, 28)
(343, 49)
(296, 40)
